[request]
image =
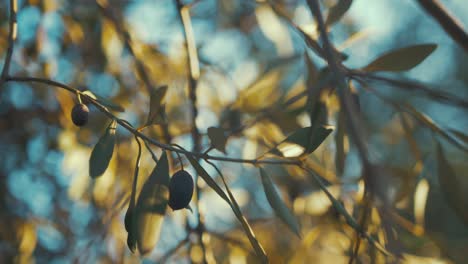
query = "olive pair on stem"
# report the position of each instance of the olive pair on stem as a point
(181, 184)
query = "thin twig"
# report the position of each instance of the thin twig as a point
(140, 67)
(193, 69)
(152, 141)
(449, 23)
(348, 218)
(345, 99)
(406, 108)
(148, 147)
(346, 103)
(310, 42)
(362, 223)
(11, 39)
(441, 96)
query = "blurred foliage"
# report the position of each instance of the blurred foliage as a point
(253, 100)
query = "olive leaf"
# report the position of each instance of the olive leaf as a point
(461, 136)
(105, 102)
(206, 177)
(232, 203)
(304, 139)
(130, 217)
(428, 122)
(451, 186)
(340, 153)
(131, 242)
(338, 206)
(151, 207)
(218, 138)
(402, 59)
(102, 152)
(337, 11)
(156, 113)
(280, 208)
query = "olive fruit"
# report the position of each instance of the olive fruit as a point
(180, 190)
(79, 114)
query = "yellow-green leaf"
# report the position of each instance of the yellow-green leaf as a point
(337, 11)
(402, 59)
(218, 138)
(102, 152)
(151, 207)
(280, 208)
(157, 108)
(302, 141)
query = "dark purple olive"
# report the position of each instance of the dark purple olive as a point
(180, 190)
(79, 115)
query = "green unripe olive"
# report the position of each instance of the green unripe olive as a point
(180, 190)
(79, 114)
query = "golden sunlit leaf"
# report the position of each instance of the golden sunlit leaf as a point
(299, 142)
(420, 199)
(151, 207)
(271, 26)
(252, 98)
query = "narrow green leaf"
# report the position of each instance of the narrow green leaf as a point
(102, 152)
(463, 137)
(247, 228)
(451, 186)
(130, 216)
(340, 155)
(428, 122)
(402, 59)
(337, 11)
(280, 208)
(218, 138)
(151, 207)
(232, 203)
(206, 177)
(245, 225)
(157, 108)
(423, 118)
(131, 242)
(342, 211)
